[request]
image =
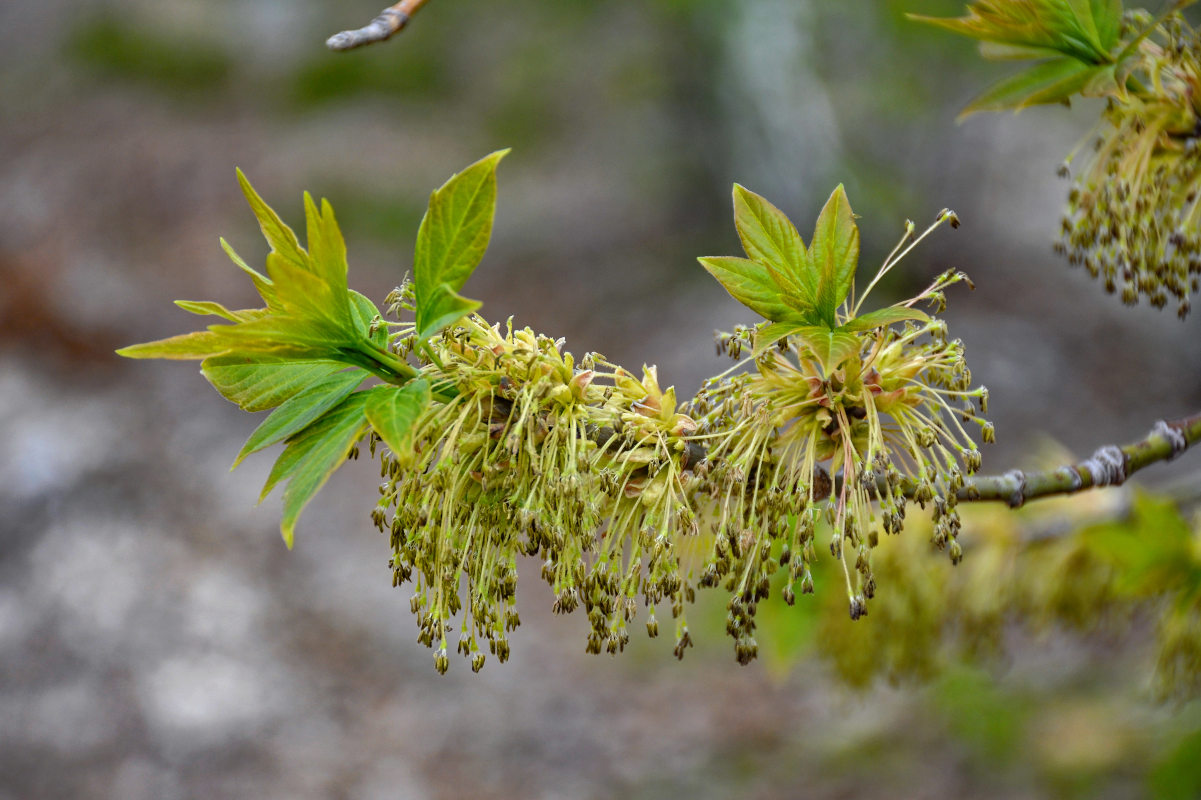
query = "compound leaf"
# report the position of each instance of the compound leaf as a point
(443, 307)
(300, 410)
(829, 347)
(834, 253)
(392, 411)
(257, 383)
(313, 454)
(769, 237)
(750, 283)
(883, 316)
(453, 237)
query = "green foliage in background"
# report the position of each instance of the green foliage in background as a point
(1133, 211)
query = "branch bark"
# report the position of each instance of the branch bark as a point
(391, 21)
(1108, 466)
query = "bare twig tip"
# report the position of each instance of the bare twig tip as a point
(390, 21)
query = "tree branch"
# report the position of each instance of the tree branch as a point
(390, 22)
(1109, 466)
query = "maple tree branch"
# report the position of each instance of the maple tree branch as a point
(391, 21)
(1108, 466)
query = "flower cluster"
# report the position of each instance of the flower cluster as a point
(628, 498)
(886, 422)
(495, 443)
(1132, 214)
(524, 452)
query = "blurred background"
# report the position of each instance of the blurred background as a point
(158, 641)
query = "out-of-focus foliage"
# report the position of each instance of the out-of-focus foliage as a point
(172, 63)
(1048, 572)
(1133, 213)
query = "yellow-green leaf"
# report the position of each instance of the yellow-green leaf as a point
(768, 335)
(298, 411)
(185, 347)
(453, 236)
(281, 238)
(313, 455)
(750, 283)
(309, 297)
(769, 237)
(829, 347)
(365, 313)
(443, 308)
(834, 253)
(327, 251)
(392, 411)
(262, 283)
(1049, 82)
(1085, 30)
(882, 317)
(257, 383)
(211, 309)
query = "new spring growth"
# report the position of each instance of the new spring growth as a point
(830, 392)
(496, 444)
(1132, 211)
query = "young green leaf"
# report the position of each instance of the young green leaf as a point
(392, 411)
(768, 236)
(1086, 30)
(278, 335)
(262, 283)
(185, 347)
(257, 383)
(834, 253)
(313, 455)
(365, 313)
(453, 237)
(1049, 82)
(281, 238)
(443, 308)
(301, 409)
(750, 283)
(208, 308)
(768, 335)
(829, 347)
(882, 317)
(327, 250)
(307, 296)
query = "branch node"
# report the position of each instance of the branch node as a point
(1107, 467)
(1073, 476)
(1018, 497)
(1175, 437)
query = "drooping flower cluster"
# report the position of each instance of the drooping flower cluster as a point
(886, 423)
(1133, 212)
(629, 500)
(523, 452)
